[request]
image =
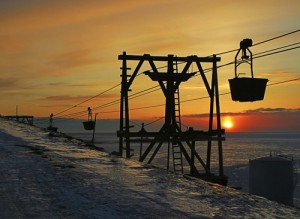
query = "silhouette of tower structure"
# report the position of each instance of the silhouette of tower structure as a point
(183, 143)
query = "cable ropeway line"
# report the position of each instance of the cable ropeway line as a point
(262, 42)
(159, 105)
(152, 89)
(149, 89)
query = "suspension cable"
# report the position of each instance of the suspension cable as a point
(144, 92)
(264, 41)
(88, 99)
(141, 93)
(277, 37)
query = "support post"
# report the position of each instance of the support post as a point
(124, 107)
(193, 171)
(127, 138)
(218, 111)
(93, 139)
(210, 123)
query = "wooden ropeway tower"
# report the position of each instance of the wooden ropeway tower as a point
(181, 142)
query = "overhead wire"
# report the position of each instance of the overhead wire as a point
(152, 89)
(204, 97)
(277, 37)
(282, 47)
(272, 53)
(110, 103)
(282, 82)
(261, 42)
(152, 122)
(103, 92)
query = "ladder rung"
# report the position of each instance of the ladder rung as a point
(177, 164)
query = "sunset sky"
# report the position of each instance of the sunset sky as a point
(55, 54)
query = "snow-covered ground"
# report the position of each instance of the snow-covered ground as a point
(50, 176)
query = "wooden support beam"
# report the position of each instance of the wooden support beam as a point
(147, 57)
(170, 131)
(187, 157)
(155, 152)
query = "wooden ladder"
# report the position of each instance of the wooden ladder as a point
(176, 149)
(177, 157)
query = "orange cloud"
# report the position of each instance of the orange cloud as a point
(50, 45)
(257, 120)
(49, 14)
(71, 59)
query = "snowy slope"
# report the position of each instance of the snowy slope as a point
(46, 176)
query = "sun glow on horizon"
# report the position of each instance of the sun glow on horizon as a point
(228, 123)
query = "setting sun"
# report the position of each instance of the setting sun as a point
(227, 123)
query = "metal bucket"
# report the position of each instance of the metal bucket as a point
(89, 125)
(247, 89)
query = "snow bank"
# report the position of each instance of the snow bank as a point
(51, 176)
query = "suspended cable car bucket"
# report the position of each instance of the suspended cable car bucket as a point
(89, 125)
(247, 89)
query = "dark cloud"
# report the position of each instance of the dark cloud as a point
(269, 110)
(65, 98)
(8, 83)
(75, 99)
(57, 105)
(65, 84)
(247, 112)
(58, 84)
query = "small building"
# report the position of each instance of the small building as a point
(273, 178)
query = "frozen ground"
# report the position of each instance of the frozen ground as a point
(46, 176)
